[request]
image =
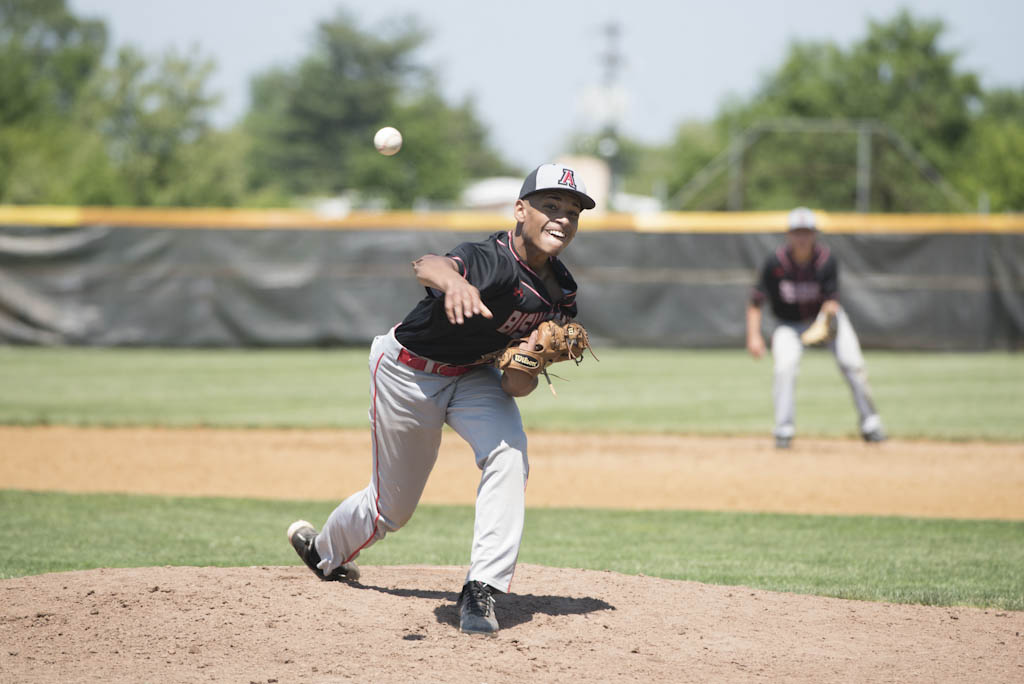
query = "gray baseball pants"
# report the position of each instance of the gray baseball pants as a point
(787, 350)
(408, 410)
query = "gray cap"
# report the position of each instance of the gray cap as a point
(556, 177)
(802, 217)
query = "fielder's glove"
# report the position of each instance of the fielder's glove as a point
(821, 330)
(555, 342)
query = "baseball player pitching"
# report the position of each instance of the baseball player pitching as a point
(476, 340)
(801, 281)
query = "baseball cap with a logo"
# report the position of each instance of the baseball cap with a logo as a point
(556, 177)
(802, 218)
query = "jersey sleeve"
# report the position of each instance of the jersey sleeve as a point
(481, 265)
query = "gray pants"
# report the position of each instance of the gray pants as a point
(408, 410)
(787, 349)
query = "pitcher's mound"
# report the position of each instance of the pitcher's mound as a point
(279, 624)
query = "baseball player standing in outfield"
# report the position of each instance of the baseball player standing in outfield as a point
(800, 280)
(432, 369)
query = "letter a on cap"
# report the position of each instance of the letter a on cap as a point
(567, 178)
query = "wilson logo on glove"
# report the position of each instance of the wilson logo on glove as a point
(525, 360)
(555, 342)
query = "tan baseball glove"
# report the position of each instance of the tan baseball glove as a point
(821, 330)
(555, 342)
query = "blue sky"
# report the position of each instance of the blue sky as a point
(532, 66)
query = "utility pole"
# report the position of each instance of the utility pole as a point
(608, 141)
(864, 167)
(736, 149)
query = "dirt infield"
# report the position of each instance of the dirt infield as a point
(934, 479)
(281, 625)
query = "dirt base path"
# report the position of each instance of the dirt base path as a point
(273, 625)
(936, 479)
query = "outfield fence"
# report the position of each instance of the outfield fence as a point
(238, 278)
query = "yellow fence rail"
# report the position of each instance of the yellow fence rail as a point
(662, 222)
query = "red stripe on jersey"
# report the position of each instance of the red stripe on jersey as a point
(521, 262)
(523, 282)
(465, 268)
(822, 257)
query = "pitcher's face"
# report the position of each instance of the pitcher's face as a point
(550, 219)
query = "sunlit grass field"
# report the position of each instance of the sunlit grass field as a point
(927, 396)
(902, 560)
(721, 392)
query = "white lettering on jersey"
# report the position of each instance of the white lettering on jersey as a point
(519, 323)
(510, 323)
(799, 292)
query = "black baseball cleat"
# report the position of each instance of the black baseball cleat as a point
(874, 436)
(476, 609)
(301, 534)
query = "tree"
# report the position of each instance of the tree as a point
(47, 57)
(311, 125)
(991, 167)
(75, 132)
(897, 77)
(448, 147)
(155, 120)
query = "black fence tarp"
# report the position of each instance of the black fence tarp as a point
(118, 286)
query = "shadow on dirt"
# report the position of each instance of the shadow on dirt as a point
(512, 609)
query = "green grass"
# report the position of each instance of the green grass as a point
(938, 562)
(936, 396)
(920, 395)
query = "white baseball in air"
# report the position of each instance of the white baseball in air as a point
(388, 141)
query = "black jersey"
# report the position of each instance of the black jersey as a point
(514, 293)
(797, 292)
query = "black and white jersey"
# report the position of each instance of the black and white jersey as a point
(796, 292)
(515, 294)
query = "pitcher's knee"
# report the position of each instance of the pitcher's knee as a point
(392, 512)
(504, 457)
(393, 519)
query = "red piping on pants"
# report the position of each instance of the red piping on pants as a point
(376, 467)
